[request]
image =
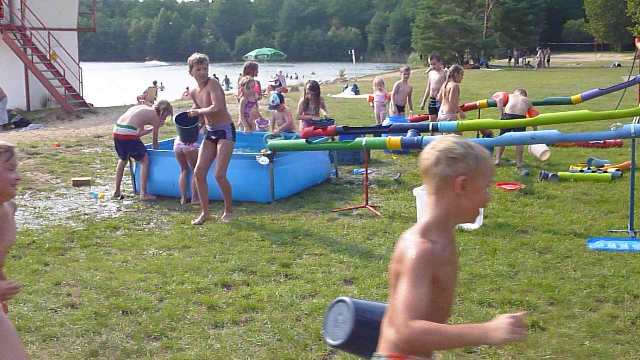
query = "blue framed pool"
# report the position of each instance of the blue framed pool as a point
(287, 173)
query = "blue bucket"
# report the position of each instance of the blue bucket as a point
(187, 127)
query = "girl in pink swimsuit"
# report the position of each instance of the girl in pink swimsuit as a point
(380, 100)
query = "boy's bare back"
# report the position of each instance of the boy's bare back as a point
(139, 116)
(517, 105)
(423, 269)
(422, 281)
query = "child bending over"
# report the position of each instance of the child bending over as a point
(128, 130)
(516, 108)
(424, 264)
(10, 345)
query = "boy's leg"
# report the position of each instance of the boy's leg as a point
(206, 156)
(118, 181)
(144, 175)
(499, 152)
(225, 150)
(181, 158)
(10, 345)
(519, 153)
(192, 159)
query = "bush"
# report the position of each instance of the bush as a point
(576, 31)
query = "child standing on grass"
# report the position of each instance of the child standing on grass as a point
(10, 345)
(210, 106)
(310, 104)
(401, 93)
(128, 130)
(449, 95)
(186, 156)
(516, 108)
(436, 76)
(424, 264)
(380, 100)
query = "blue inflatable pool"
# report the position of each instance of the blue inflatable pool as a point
(287, 174)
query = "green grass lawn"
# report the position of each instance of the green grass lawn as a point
(148, 285)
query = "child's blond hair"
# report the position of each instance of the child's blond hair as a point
(450, 156)
(520, 91)
(7, 151)
(378, 83)
(197, 59)
(404, 68)
(164, 109)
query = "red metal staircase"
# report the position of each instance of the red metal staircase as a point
(45, 56)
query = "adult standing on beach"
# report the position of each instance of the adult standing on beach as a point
(4, 117)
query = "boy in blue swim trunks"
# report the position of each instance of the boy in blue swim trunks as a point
(128, 130)
(424, 264)
(210, 105)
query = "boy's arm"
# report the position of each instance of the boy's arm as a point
(423, 101)
(323, 107)
(416, 336)
(409, 98)
(155, 130)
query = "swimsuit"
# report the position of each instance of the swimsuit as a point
(442, 116)
(507, 116)
(127, 142)
(226, 131)
(246, 109)
(379, 102)
(433, 106)
(179, 146)
(400, 108)
(262, 124)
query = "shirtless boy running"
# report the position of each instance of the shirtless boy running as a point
(220, 136)
(424, 265)
(401, 93)
(436, 75)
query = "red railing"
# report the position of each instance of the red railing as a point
(22, 23)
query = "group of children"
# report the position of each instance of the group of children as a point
(442, 100)
(424, 264)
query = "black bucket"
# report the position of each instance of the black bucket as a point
(187, 127)
(353, 325)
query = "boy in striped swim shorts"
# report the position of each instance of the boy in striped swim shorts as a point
(127, 131)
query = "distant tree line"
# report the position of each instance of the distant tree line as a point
(324, 30)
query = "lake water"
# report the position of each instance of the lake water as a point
(110, 84)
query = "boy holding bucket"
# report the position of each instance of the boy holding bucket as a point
(128, 130)
(210, 105)
(424, 265)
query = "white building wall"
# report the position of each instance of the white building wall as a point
(60, 14)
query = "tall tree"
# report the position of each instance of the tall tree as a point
(446, 27)
(608, 21)
(517, 23)
(231, 18)
(633, 11)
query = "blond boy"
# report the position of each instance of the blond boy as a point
(220, 136)
(10, 345)
(516, 107)
(436, 75)
(424, 265)
(128, 130)
(401, 93)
